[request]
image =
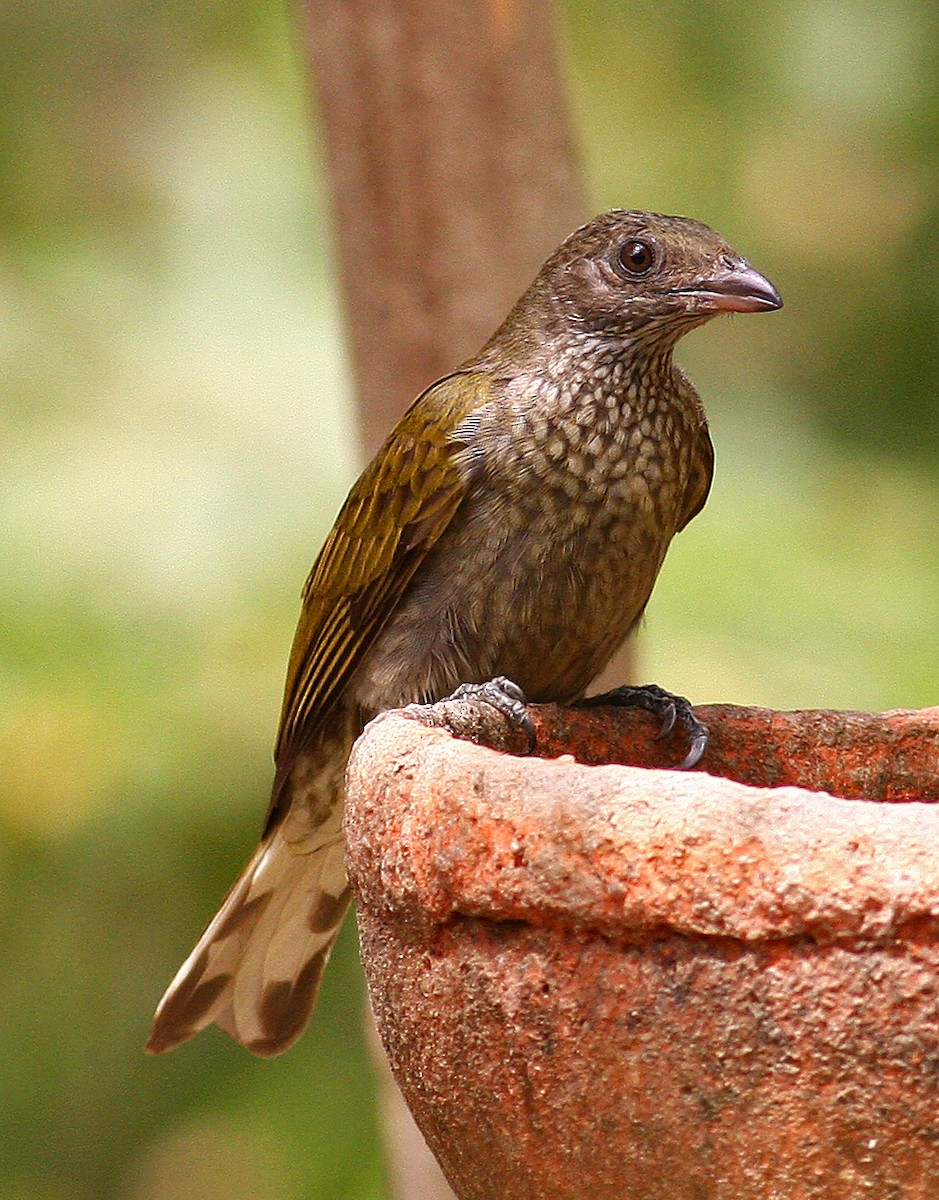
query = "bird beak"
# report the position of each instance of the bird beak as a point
(738, 289)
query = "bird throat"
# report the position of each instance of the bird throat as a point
(607, 424)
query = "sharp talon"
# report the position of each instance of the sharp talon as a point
(668, 722)
(698, 745)
(529, 727)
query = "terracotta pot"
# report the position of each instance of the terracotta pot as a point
(614, 983)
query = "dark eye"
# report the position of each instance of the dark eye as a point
(636, 257)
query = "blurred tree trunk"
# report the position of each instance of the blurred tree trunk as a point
(453, 174)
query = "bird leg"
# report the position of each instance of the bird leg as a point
(669, 708)
(504, 696)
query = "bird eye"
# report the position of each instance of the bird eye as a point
(636, 258)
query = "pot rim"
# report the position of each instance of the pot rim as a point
(440, 828)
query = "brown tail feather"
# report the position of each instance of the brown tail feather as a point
(256, 970)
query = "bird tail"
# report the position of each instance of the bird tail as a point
(256, 970)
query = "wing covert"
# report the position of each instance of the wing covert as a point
(699, 479)
(391, 519)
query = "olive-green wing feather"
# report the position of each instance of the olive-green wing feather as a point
(391, 519)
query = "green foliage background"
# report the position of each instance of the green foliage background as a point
(176, 440)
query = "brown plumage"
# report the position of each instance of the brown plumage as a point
(513, 524)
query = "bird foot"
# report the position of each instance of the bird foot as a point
(669, 708)
(504, 696)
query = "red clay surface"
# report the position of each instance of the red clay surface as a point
(604, 982)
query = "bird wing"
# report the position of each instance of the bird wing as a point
(390, 521)
(699, 478)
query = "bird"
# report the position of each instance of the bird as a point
(506, 539)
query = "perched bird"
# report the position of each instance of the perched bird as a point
(513, 524)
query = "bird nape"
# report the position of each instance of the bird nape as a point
(513, 524)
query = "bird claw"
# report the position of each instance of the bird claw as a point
(506, 697)
(669, 716)
(669, 708)
(699, 743)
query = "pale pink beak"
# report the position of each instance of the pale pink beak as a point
(738, 289)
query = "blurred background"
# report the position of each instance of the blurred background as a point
(177, 436)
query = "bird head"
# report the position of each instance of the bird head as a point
(640, 275)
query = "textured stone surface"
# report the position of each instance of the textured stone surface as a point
(643, 985)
